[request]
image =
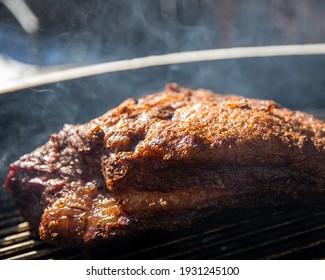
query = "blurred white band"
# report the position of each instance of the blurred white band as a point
(23, 14)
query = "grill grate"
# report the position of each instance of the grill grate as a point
(276, 234)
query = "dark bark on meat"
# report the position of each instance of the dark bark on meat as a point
(165, 160)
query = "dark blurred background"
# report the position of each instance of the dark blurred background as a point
(82, 32)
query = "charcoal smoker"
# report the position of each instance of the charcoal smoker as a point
(42, 98)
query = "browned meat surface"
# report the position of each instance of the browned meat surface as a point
(166, 160)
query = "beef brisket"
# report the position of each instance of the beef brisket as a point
(165, 160)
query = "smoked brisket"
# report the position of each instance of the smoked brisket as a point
(166, 160)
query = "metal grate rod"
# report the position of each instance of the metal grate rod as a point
(41, 76)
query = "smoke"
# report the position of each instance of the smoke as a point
(84, 32)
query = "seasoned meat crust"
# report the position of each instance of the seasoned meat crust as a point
(166, 160)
